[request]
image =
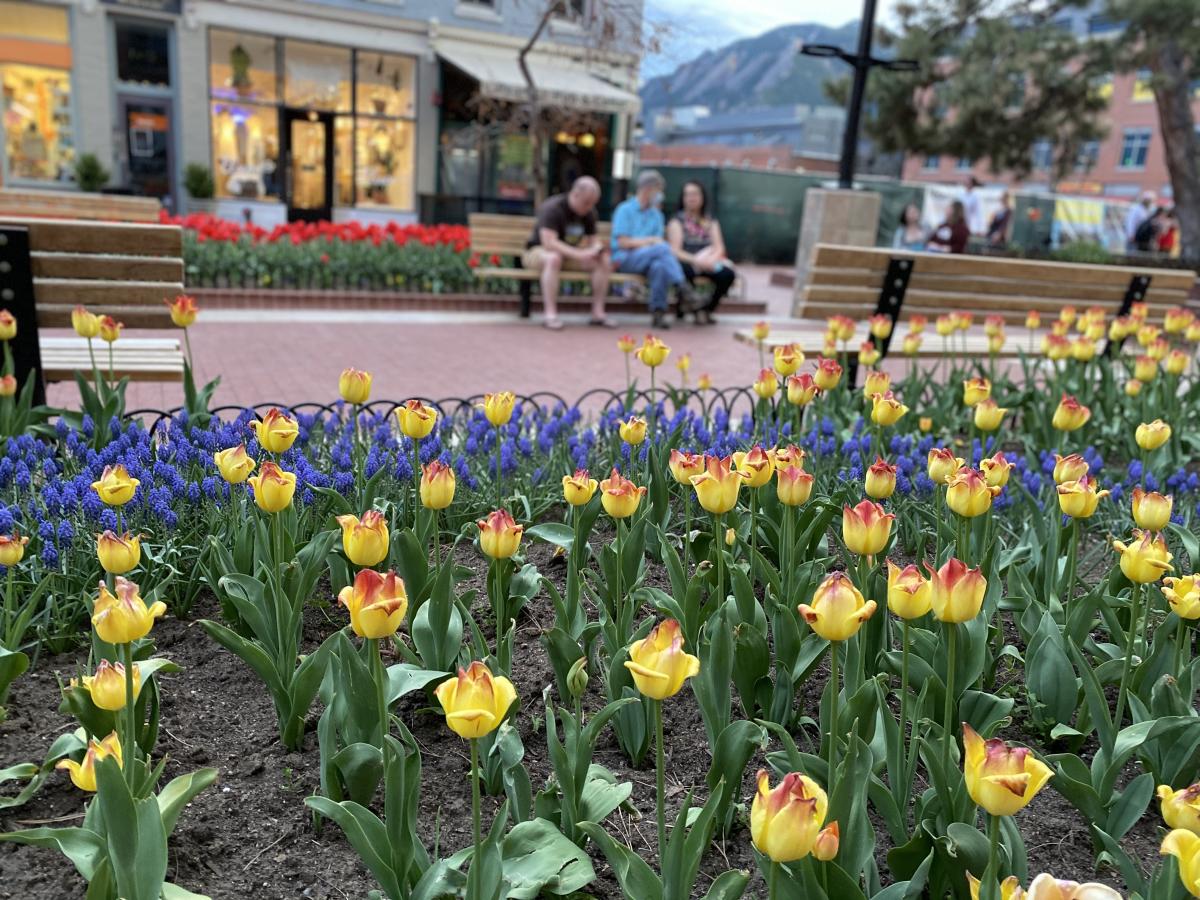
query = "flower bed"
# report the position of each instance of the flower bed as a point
(418, 635)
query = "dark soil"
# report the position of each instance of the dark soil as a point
(250, 835)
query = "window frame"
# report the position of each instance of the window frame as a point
(1130, 138)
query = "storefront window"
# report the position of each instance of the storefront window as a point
(245, 150)
(385, 84)
(385, 163)
(35, 78)
(316, 76)
(143, 54)
(242, 66)
(343, 160)
(37, 123)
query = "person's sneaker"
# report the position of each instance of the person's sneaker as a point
(659, 321)
(688, 300)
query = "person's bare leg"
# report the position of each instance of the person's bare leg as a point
(600, 276)
(551, 266)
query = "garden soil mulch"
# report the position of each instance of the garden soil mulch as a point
(250, 834)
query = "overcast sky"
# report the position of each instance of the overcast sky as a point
(699, 25)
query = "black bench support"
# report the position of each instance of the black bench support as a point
(891, 301)
(1135, 293)
(16, 295)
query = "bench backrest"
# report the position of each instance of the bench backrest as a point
(847, 280)
(123, 270)
(25, 202)
(501, 235)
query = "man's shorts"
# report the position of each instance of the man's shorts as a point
(535, 257)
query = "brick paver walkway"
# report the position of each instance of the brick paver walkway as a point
(285, 357)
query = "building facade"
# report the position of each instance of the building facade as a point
(310, 109)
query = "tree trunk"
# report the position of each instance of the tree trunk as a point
(536, 173)
(1173, 96)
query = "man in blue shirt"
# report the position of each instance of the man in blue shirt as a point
(639, 248)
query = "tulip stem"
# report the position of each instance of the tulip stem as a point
(951, 632)
(379, 676)
(753, 531)
(437, 541)
(687, 531)
(659, 774)
(416, 452)
(9, 636)
(834, 690)
(990, 879)
(1180, 643)
(100, 387)
(1135, 612)
(473, 874)
(1071, 532)
(130, 749)
(773, 881)
(499, 443)
(719, 552)
(187, 343)
(904, 690)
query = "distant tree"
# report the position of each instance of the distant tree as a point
(998, 76)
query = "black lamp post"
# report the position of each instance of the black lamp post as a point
(863, 62)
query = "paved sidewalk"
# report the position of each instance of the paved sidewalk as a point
(290, 357)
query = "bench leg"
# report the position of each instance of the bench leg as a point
(16, 285)
(526, 289)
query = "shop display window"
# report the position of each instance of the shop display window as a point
(38, 144)
(384, 170)
(316, 76)
(384, 84)
(245, 150)
(242, 66)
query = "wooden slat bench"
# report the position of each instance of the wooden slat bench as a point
(861, 281)
(69, 204)
(505, 236)
(50, 266)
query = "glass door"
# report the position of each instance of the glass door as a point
(308, 149)
(148, 146)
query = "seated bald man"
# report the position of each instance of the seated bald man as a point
(564, 237)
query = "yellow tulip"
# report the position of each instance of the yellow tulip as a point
(788, 359)
(684, 465)
(83, 775)
(124, 617)
(416, 420)
(1083, 350)
(785, 822)
(276, 431)
(1070, 414)
(1069, 468)
(880, 481)
(757, 465)
(1158, 350)
(115, 487)
(942, 464)
(880, 325)
(925, 424)
(658, 663)
(1177, 319)
(801, 389)
(945, 325)
(704, 382)
(993, 325)
(365, 541)
(354, 386)
(1183, 595)
(1000, 778)
(1185, 847)
(273, 488)
(793, 486)
(842, 327)
(995, 469)
(684, 363)
(1151, 510)
(653, 352)
(633, 432)
(1181, 809)
(1193, 332)
(886, 409)
(956, 592)
(8, 325)
(767, 385)
(1145, 368)
(791, 455)
(8, 385)
(976, 390)
(118, 553)
(1152, 435)
(626, 343)
(86, 324)
(1047, 887)
(1033, 320)
(917, 324)
(110, 329)
(826, 845)
(499, 534)
(876, 382)
(1146, 558)
(911, 345)
(761, 330)
(12, 548)
(909, 595)
(988, 415)
(717, 486)
(498, 408)
(968, 494)
(866, 528)
(868, 353)
(1010, 888)
(996, 343)
(838, 609)
(1080, 499)
(183, 310)
(376, 603)
(234, 464)
(107, 686)
(476, 702)
(578, 489)
(1133, 387)
(1176, 362)
(828, 374)
(437, 485)
(619, 496)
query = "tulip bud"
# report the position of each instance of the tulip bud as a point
(86, 324)
(868, 353)
(828, 374)
(107, 686)
(886, 409)
(1145, 369)
(276, 432)
(761, 330)
(876, 382)
(909, 595)
(83, 775)
(110, 329)
(917, 323)
(1070, 415)
(273, 488)
(1146, 558)
(946, 325)
(118, 554)
(8, 386)
(355, 386)
(476, 702)
(366, 540)
(717, 486)
(1181, 809)
(123, 618)
(788, 359)
(499, 534)
(1069, 468)
(825, 848)
(8, 325)
(880, 482)
(578, 489)
(183, 310)
(942, 464)
(758, 465)
(1152, 435)
(376, 603)
(993, 325)
(988, 415)
(880, 326)
(633, 431)
(12, 548)
(925, 424)
(793, 486)
(704, 382)
(801, 389)
(838, 608)
(1183, 596)
(911, 345)
(956, 592)
(626, 343)
(234, 464)
(416, 420)
(785, 822)
(1033, 320)
(1133, 387)
(968, 494)
(115, 487)
(653, 352)
(976, 390)
(498, 408)
(619, 496)
(1080, 499)
(658, 663)
(767, 385)
(577, 677)
(1152, 510)
(1000, 778)
(684, 363)
(1184, 845)
(1176, 362)
(995, 469)
(791, 455)
(866, 528)
(730, 537)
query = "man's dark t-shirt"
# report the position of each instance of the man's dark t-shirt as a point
(556, 214)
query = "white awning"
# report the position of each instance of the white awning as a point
(560, 80)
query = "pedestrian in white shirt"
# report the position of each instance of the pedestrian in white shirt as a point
(972, 207)
(1138, 213)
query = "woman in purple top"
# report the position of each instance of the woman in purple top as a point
(695, 237)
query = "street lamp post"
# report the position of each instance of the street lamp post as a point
(862, 62)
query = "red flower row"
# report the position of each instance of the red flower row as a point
(209, 228)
